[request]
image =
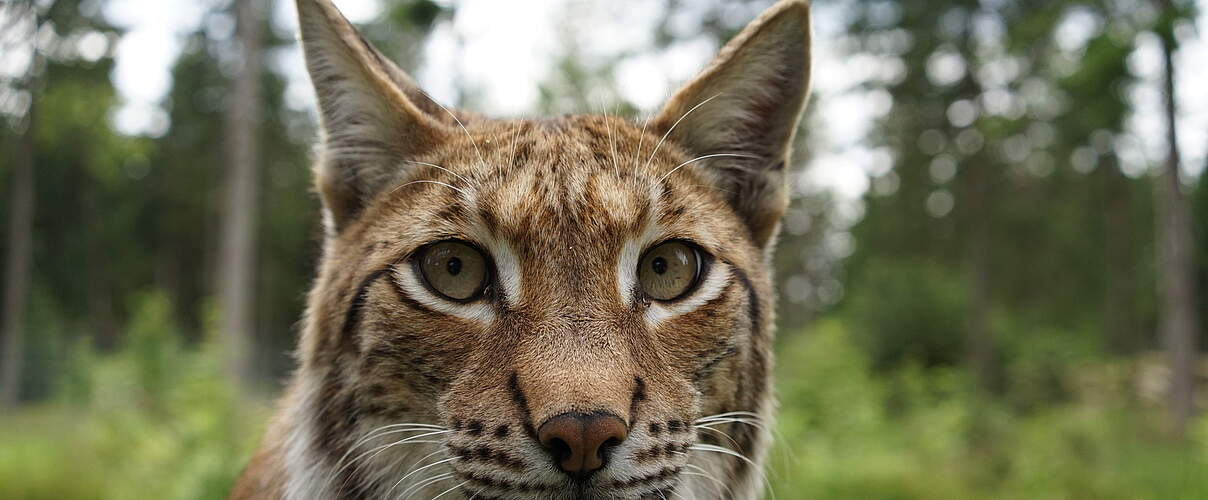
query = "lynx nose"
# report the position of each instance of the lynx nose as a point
(580, 442)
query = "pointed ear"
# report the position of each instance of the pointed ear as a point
(748, 102)
(373, 116)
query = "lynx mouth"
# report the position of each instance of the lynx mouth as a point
(574, 493)
(658, 485)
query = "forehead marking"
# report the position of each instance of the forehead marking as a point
(614, 199)
(482, 229)
(514, 197)
(631, 251)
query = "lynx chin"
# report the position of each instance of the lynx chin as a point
(571, 308)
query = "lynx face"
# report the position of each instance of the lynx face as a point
(570, 308)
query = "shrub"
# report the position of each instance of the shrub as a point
(153, 420)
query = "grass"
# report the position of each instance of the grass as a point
(155, 421)
(913, 434)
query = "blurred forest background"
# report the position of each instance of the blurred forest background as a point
(1008, 304)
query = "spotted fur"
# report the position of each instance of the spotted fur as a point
(400, 393)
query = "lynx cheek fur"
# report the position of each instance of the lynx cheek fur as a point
(563, 309)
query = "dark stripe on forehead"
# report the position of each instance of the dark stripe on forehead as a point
(451, 213)
(489, 220)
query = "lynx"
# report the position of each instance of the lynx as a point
(565, 308)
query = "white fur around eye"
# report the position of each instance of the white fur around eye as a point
(409, 282)
(716, 280)
(628, 259)
(508, 268)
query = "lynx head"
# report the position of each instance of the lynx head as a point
(566, 308)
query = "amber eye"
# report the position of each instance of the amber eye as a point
(669, 270)
(454, 269)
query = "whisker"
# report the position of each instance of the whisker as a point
(732, 414)
(681, 495)
(723, 433)
(417, 462)
(616, 169)
(424, 181)
(378, 450)
(608, 127)
(433, 165)
(637, 155)
(699, 158)
(376, 433)
(463, 127)
(729, 419)
(463, 483)
(724, 451)
(677, 122)
(751, 423)
(515, 134)
(717, 482)
(413, 489)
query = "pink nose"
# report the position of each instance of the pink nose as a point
(580, 442)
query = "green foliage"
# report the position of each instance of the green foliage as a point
(847, 432)
(416, 13)
(156, 420)
(153, 420)
(908, 311)
(128, 400)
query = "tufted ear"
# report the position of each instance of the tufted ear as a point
(748, 102)
(373, 116)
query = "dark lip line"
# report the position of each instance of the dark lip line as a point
(580, 487)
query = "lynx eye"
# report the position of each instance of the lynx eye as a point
(453, 269)
(669, 270)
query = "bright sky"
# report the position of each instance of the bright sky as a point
(505, 52)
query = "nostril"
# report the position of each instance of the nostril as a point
(606, 448)
(559, 449)
(580, 443)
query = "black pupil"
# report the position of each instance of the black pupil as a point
(454, 266)
(658, 265)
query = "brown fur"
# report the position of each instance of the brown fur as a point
(556, 205)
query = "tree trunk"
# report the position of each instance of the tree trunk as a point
(17, 265)
(980, 263)
(1177, 321)
(97, 277)
(1119, 306)
(237, 245)
(977, 184)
